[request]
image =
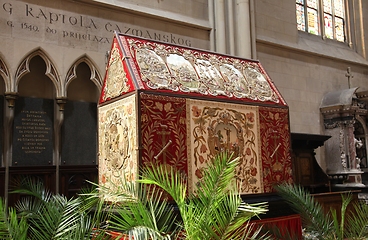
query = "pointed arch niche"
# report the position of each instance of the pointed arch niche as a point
(35, 75)
(33, 126)
(79, 129)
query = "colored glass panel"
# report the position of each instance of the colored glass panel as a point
(312, 4)
(327, 6)
(313, 21)
(300, 18)
(339, 8)
(328, 26)
(339, 29)
(308, 18)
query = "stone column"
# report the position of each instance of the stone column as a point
(243, 29)
(8, 129)
(220, 23)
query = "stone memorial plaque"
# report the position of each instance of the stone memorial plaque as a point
(33, 132)
(79, 134)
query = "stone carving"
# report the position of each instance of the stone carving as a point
(358, 144)
(342, 147)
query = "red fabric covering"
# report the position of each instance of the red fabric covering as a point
(163, 119)
(275, 145)
(291, 224)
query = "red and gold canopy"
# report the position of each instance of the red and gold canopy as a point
(167, 104)
(139, 64)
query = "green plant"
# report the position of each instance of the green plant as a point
(143, 210)
(351, 225)
(215, 210)
(160, 207)
(51, 216)
(11, 227)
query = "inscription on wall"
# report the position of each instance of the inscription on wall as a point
(33, 133)
(65, 26)
(32, 139)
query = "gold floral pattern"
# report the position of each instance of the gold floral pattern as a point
(216, 127)
(117, 142)
(116, 79)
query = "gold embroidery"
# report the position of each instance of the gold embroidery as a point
(216, 127)
(177, 69)
(116, 82)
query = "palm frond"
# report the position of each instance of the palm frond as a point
(147, 217)
(357, 221)
(95, 206)
(214, 200)
(51, 216)
(57, 219)
(339, 224)
(214, 210)
(34, 188)
(11, 227)
(221, 206)
(240, 222)
(165, 177)
(313, 216)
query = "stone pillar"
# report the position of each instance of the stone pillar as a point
(233, 30)
(243, 29)
(220, 23)
(336, 147)
(8, 126)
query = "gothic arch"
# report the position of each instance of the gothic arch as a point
(51, 71)
(362, 122)
(4, 72)
(95, 75)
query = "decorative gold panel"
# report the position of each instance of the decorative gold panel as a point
(116, 81)
(170, 67)
(118, 142)
(214, 127)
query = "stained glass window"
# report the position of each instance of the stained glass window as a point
(340, 30)
(339, 8)
(311, 14)
(328, 26)
(327, 6)
(300, 19)
(313, 21)
(312, 4)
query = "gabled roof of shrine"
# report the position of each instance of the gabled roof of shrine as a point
(340, 98)
(142, 64)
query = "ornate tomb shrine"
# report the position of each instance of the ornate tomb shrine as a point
(163, 103)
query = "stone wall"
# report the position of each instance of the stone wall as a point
(305, 67)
